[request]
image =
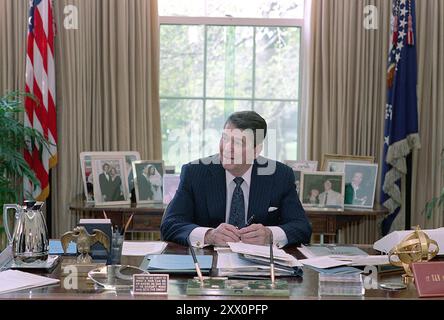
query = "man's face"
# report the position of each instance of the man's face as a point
(145, 170)
(236, 148)
(357, 178)
(327, 185)
(106, 168)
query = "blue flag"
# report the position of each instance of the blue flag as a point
(401, 114)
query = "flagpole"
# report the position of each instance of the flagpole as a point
(408, 194)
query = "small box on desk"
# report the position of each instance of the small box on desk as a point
(98, 251)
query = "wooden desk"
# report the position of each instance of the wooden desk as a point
(147, 217)
(305, 288)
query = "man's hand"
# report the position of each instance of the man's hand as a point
(255, 234)
(222, 234)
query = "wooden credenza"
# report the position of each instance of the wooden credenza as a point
(147, 217)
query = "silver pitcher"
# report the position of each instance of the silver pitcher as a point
(29, 240)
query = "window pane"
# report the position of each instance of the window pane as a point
(282, 121)
(235, 8)
(181, 60)
(230, 62)
(277, 62)
(217, 112)
(182, 128)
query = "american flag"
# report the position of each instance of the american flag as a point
(401, 114)
(40, 81)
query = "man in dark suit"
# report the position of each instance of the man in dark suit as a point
(145, 189)
(218, 195)
(105, 182)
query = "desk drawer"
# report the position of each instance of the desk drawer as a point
(146, 223)
(323, 224)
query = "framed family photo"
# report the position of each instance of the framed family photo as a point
(87, 172)
(335, 162)
(110, 180)
(148, 179)
(322, 189)
(360, 184)
(298, 166)
(302, 165)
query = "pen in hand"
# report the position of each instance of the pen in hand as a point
(250, 221)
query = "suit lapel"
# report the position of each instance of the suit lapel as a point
(217, 193)
(259, 198)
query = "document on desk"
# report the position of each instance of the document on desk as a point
(280, 256)
(324, 262)
(142, 248)
(369, 260)
(231, 264)
(14, 280)
(313, 251)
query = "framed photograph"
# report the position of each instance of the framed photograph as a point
(322, 189)
(110, 180)
(148, 178)
(88, 178)
(335, 162)
(170, 186)
(360, 184)
(302, 165)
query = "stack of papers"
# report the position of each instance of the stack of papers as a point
(280, 256)
(14, 280)
(330, 256)
(233, 264)
(138, 248)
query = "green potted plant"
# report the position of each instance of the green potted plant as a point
(13, 138)
(436, 201)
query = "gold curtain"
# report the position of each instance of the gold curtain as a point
(428, 177)
(107, 82)
(345, 84)
(345, 95)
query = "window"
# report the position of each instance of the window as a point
(221, 56)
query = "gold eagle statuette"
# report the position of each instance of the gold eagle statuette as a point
(84, 242)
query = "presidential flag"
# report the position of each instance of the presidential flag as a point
(40, 81)
(401, 113)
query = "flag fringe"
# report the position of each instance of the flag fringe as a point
(396, 158)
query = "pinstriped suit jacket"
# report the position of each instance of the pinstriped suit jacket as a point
(200, 201)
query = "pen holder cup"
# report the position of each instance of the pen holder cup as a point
(116, 248)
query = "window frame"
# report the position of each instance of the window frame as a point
(249, 22)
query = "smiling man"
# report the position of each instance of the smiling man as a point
(237, 195)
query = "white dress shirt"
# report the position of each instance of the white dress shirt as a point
(197, 236)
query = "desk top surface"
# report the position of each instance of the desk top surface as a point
(305, 288)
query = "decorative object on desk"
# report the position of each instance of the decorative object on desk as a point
(360, 184)
(86, 164)
(322, 189)
(84, 242)
(98, 250)
(429, 278)
(341, 285)
(225, 287)
(335, 162)
(114, 277)
(416, 247)
(29, 240)
(170, 186)
(148, 177)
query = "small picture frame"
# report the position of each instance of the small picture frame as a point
(88, 178)
(170, 186)
(322, 189)
(360, 184)
(335, 162)
(110, 180)
(148, 178)
(302, 165)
